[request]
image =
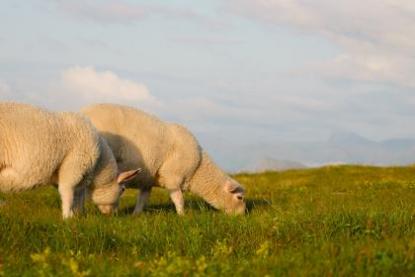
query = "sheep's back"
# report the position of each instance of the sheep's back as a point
(136, 138)
(30, 141)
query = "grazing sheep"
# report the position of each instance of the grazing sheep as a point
(169, 155)
(38, 147)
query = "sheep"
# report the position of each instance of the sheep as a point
(169, 155)
(38, 147)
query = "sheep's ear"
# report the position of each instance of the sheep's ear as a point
(127, 176)
(233, 187)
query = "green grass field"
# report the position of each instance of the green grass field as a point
(344, 220)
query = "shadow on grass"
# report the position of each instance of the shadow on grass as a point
(194, 205)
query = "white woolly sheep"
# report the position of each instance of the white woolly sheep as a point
(169, 156)
(38, 147)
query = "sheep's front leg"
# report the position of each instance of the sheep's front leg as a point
(178, 200)
(142, 199)
(72, 178)
(67, 198)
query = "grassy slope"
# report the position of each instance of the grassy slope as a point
(337, 220)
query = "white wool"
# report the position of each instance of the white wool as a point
(169, 155)
(38, 147)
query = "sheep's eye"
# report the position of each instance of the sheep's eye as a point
(240, 197)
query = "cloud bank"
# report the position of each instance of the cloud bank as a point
(123, 12)
(376, 37)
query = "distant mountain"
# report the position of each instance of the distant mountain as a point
(343, 138)
(348, 148)
(399, 143)
(268, 164)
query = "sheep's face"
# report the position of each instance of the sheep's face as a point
(234, 198)
(107, 209)
(107, 197)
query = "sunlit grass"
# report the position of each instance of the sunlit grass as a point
(343, 220)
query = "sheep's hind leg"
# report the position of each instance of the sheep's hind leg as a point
(142, 199)
(173, 185)
(10, 180)
(171, 177)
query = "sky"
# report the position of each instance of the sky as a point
(236, 71)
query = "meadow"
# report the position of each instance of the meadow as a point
(337, 220)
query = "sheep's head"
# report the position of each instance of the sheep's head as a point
(106, 197)
(234, 198)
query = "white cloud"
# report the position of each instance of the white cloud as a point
(377, 37)
(103, 85)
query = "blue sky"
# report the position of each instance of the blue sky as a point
(243, 72)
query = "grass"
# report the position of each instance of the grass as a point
(342, 220)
